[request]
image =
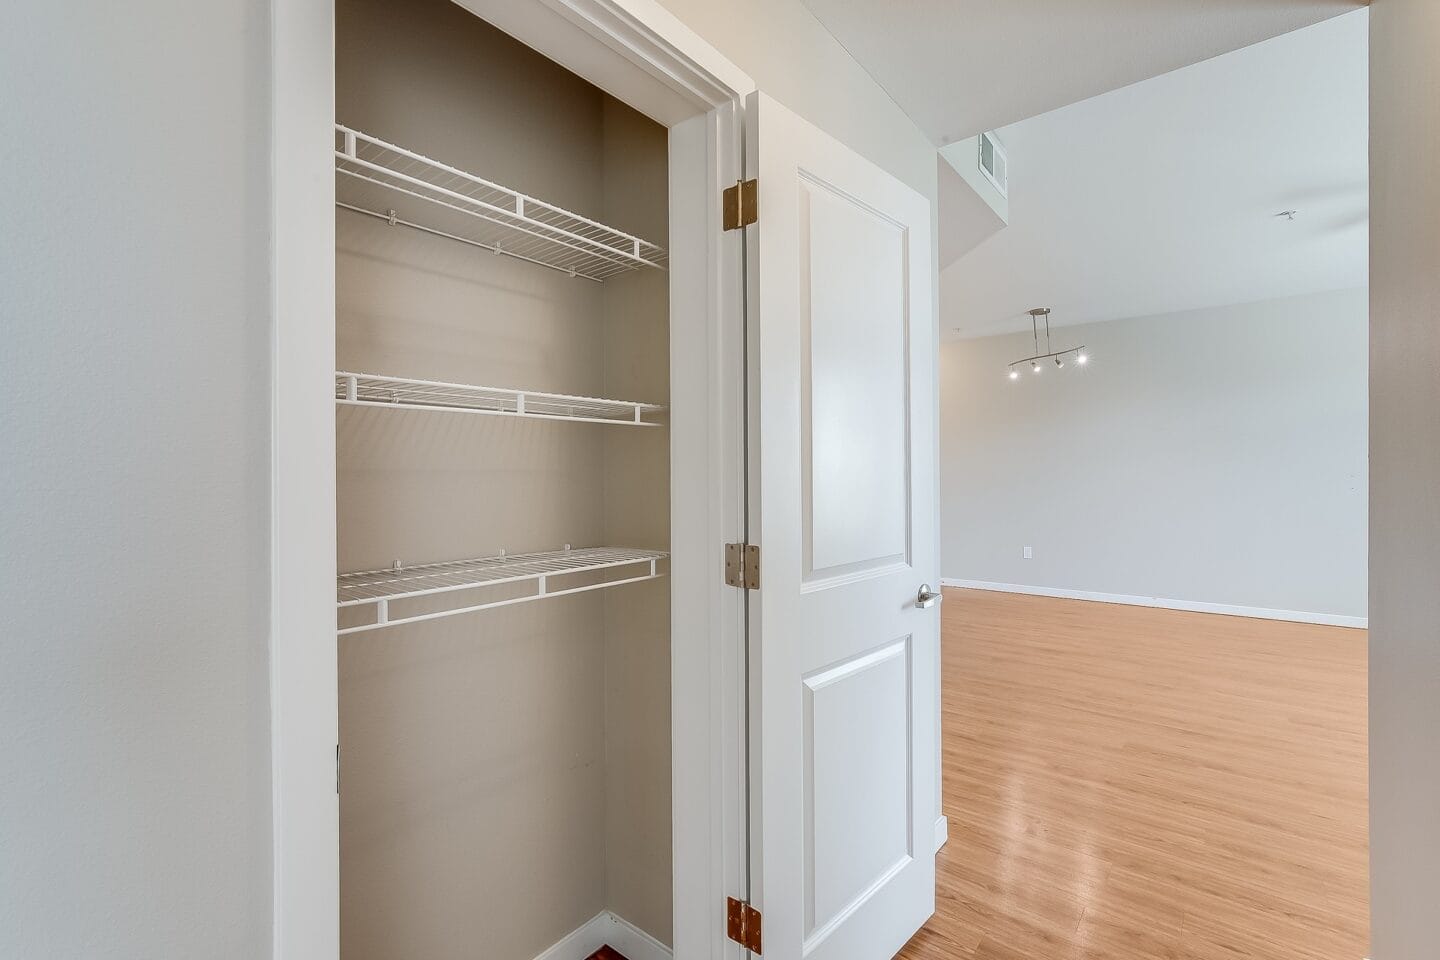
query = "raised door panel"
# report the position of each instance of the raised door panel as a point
(854, 429)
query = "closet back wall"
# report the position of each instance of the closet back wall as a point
(473, 814)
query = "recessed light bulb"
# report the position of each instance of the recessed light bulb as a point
(1081, 358)
(1014, 374)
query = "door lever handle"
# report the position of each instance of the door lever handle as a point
(927, 597)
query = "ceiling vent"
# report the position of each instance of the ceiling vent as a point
(994, 163)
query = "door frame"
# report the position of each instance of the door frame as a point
(642, 54)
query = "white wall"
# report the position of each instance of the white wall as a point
(1217, 456)
(1405, 479)
(134, 480)
(963, 156)
(794, 59)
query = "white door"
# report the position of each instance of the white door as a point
(843, 437)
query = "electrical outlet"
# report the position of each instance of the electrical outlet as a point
(1029, 553)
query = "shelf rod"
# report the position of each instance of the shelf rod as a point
(534, 228)
(390, 218)
(491, 185)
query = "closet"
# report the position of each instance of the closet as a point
(502, 499)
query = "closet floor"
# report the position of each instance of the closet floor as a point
(607, 953)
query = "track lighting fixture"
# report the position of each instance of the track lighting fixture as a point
(1081, 357)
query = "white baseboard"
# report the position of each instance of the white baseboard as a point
(605, 928)
(581, 942)
(635, 943)
(1194, 606)
(942, 832)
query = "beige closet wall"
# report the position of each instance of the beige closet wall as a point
(473, 747)
(474, 808)
(637, 513)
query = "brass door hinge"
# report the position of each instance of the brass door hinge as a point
(742, 924)
(742, 565)
(741, 204)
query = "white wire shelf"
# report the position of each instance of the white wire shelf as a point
(405, 188)
(371, 390)
(378, 589)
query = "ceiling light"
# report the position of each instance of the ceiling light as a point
(1014, 374)
(1057, 355)
(1082, 358)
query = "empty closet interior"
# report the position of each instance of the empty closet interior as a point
(502, 497)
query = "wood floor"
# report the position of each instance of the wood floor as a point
(1136, 784)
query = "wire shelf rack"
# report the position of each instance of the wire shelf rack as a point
(371, 390)
(378, 589)
(382, 180)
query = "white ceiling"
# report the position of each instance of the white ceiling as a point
(1161, 196)
(959, 67)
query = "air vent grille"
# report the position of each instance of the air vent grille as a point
(994, 163)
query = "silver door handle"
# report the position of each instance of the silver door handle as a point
(927, 597)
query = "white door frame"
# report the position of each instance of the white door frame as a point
(641, 54)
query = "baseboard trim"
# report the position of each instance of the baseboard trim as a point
(606, 928)
(942, 832)
(635, 943)
(1193, 606)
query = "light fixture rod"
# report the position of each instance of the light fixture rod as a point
(1047, 356)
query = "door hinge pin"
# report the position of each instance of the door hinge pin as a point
(740, 204)
(742, 924)
(742, 565)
